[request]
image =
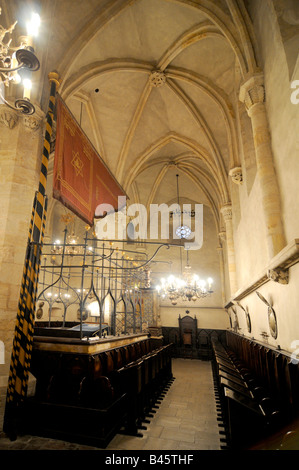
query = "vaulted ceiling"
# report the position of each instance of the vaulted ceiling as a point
(154, 84)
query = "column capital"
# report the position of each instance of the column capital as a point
(222, 236)
(8, 116)
(226, 211)
(35, 121)
(278, 275)
(236, 175)
(252, 91)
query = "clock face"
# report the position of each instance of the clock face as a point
(183, 231)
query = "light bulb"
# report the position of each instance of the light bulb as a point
(27, 88)
(33, 25)
(94, 309)
(15, 76)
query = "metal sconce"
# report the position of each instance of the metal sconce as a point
(18, 59)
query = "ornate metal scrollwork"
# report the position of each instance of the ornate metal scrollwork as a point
(24, 106)
(248, 320)
(236, 326)
(26, 58)
(272, 320)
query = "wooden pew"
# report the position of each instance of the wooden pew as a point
(247, 410)
(272, 378)
(115, 389)
(276, 370)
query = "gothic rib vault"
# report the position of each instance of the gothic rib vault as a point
(162, 87)
(155, 86)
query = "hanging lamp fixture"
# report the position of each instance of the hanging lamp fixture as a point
(183, 231)
(188, 286)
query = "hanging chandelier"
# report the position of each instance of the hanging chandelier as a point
(186, 287)
(70, 245)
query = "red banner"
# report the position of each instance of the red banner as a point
(81, 180)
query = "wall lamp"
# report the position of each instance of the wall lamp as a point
(17, 64)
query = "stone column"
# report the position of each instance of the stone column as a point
(226, 211)
(222, 275)
(21, 139)
(252, 94)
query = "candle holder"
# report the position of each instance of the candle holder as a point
(13, 60)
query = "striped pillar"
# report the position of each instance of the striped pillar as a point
(23, 336)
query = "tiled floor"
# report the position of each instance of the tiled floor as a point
(185, 420)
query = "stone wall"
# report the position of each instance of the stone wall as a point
(257, 247)
(20, 157)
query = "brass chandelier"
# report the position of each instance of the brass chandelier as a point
(186, 287)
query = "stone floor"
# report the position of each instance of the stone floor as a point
(185, 420)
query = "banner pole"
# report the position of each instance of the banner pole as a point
(24, 328)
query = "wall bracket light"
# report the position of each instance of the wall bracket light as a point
(17, 59)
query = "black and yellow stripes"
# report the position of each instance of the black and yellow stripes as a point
(44, 167)
(23, 336)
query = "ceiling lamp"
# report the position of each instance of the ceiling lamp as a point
(69, 246)
(18, 59)
(186, 287)
(183, 231)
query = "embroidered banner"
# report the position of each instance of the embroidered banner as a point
(81, 180)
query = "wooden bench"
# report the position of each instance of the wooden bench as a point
(116, 389)
(246, 408)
